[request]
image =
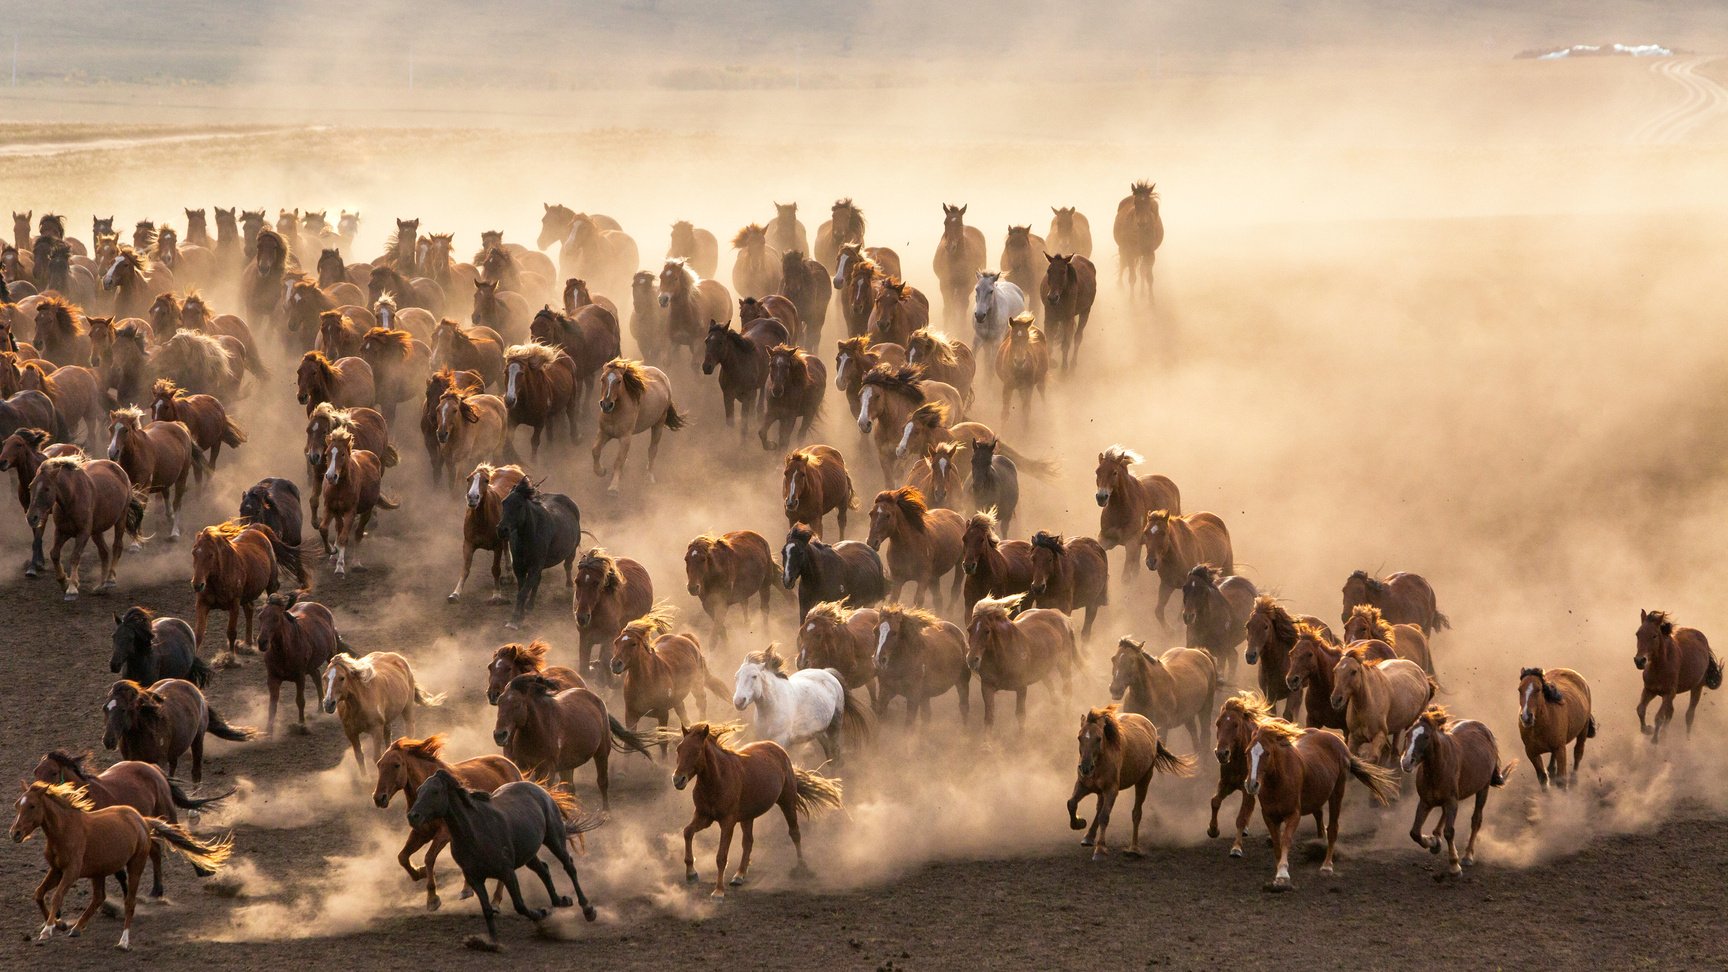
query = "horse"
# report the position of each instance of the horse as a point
(802, 706)
(945, 360)
(511, 660)
(477, 349)
(741, 357)
(543, 529)
(577, 296)
(1118, 750)
(918, 657)
(29, 409)
(757, 268)
(162, 722)
(1367, 624)
(813, 482)
(24, 451)
(399, 366)
(1403, 598)
(148, 649)
(408, 292)
(158, 458)
(995, 302)
(1069, 287)
(735, 786)
(1673, 660)
(886, 401)
(805, 283)
(923, 544)
(297, 639)
(1019, 257)
(588, 336)
(353, 490)
(1068, 574)
(82, 842)
(126, 277)
(1070, 231)
(993, 567)
(204, 416)
(610, 593)
(1294, 773)
(593, 246)
(1554, 712)
(1215, 611)
(540, 387)
(938, 476)
(698, 246)
(1125, 499)
(469, 427)
(793, 393)
(726, 569)
(634, 398)
(437, 384)
(786, 232)
(1271, 639)
(276, 504)
(261, 280)
(76, 392)
(648, 319)
(995, 481)
(196, 315)
(60, 335)
(403, 768)
(1138, 231)
(857, 278)
(344, 382)
(232, 565)
(199, 363)
(495, 833)
(1022, 364)
(960, 254)
(849, 571)
(487, 487)
(551, 732)
(1237, 719)
(1313, 658)
(843, 641)
(692, 303)
(366, 425)
(369, 694)
(1175, 544)
(896, 310)
(857, 357)
(661, 671)
(844, 226)
(504, 311)
(1011, 648)
(1453, 759)
(87, 498)
(1177, 688)
(1381, 699)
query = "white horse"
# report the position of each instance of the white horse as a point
(995, 303)
(809, 704)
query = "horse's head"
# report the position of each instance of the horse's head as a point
(392, 773)
(257, 503)
(1059, 277)
(33, 807)
(1262, 624)
(795, 559)
(1100, 734)
(517, 703)
(554, 224)
(1237, 719)
(702, 568)
(1267, 748)
(1345, 675)
(992, 623)
(128, 706)
(513, 513)
(888, 515)
(479, 481)
(821, 636)
(1019, 238)
(597, 575)
(893, 629)
(1197, 590)
(756, 674)
(946, 480)
(1420, 742)
(1061, 219)
(782, 361)
(1534, 689)
(674, 280)
(984, 295)
(798, 479)
(123, 424)
(1127, 665)
(1307, 657)
(980, 536)
(454, 409)
(338, 449)
(132, 638)
(344, 676)
(635, 640)
(1155, 536)
(485, 297)
(276, 619)
(46, 488)
(437, 798)
(715, 345)
(643, 290)
(692, 760)
(312, 377)
(511, 660)
(20, 448)
(1112, 469)
(1654, 629)
(331, 269)
(1359, 588)
(1048, 555)
(1363, 624)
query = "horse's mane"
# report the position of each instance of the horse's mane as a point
(206, 349)
(1435, 716)
(770, 660)
(338, 418)
(1034, 333)
(855, 345)
(1052, 542)
(832, 611)
(317, 358)
(911, 502)
(631, 373)
(1107, 716)
(985, 519)
(427, 748)
(531, 656)
(166, 388)
(1122, 455)
(399, 341)
(534, 355)
(1142, 188)
(800, 534)
(720, 732)
(598, 558)
(857, 214)
(1003, 608)
(63, 462)
(808, 457)
(131, 331)
(656, 622)
(932, 413)
(1359, 652)
(1309, 632)
(1659, 617)
(532, 683)
(130, 412)
(62, 312)
(1378, 624)
(365, 666)
(133, 257)
(682, 265)
(72, 795)
(1207, 573)
(924, 617)
(755, 233)
(1279, 732)
(226, 530)
(1250, 704)
(940, 345)
(34, 438)
(1283, 625)
(903, 380)
(266, 234)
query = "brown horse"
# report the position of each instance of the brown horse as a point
(727, 569)
(353, 491)
(844, 226)
(1407, 640)
(163, 722)
(1125, 500)
(691, 303)
(661, 671)
(1674, 660)
(23, 452)
(1176, 544)
(487, 487)
(786, 231)
(814, 482)
(735, 786)
(634, 398)
(126, 366)
(1295, 773)
(1010, 648)
(477, 349)
(1022, 364)
(196, 315)
(1070, 231)
(436, 385)
(756, 272)
(82, 842)
(589, 336)
(886, 402)
(504, 311)
(339, 336)
(87, 498)
(857, 279)
(76, 391)
(805, 283)
(897, 309)
(610, 593)
(938, 476)
(550, 732)
(1139, 231)
(407, 764)
(1117, 751)
(233, 564)
(796, 379)
(993, 567)
(158, 458)
(1381, 699)
(918, 657)
(203, 415)
(399, 366)
(1403, 598)
(1271, 639)
(647, 317)
(1215, 611)
(1553, 711)
(943, 359)
(1019, 260)
(370, 694)
(741, 358)
(1068, 575)
(1237, 719)
(511, 660)
(540, 389)
(923, 544)
(1313, 658)
(366, 425)
(697, 246)
(960, 254)
(844, 641)
(470, 427)
(1177, 688)
(1453, 760)
(60, 334)
(1069, 287)
(344, 382)
(857, 357)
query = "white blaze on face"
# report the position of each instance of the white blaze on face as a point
(1254, 754)
(510, 390)
(474, 487)
(881, 637)
(792, 497)
(111, 706)
(1529, 696)
(330, 682)
(108, 278)
(114, 445)
(905, 439)
(941, 464)
(864, 404)
(334, 471)
(1410, 747)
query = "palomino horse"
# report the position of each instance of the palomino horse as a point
(923, 544)
(741, 358)
(86, 498)
(634, 398)
(813, 483)
(1313, 659)
(233, 564)
(919, 657)
(843, 641)
(366, 425)
(203, 415)
(691, 303)
(661, 671)
(1271, 638)
(344, 382)
(960, 254)
(163, 722)
(610, 593)
(1407, 640)
(1138, 231)
(199, 363)
(82, 842)
(995, 302)
(802, 706)
(1011, 648)
(804, 282)
(1295, 773)
(297, 638)
(1403, 598)
(844, 226)
(1674, 660)
(1125, 500)
(1453, 760)
(469, 427)
(539, 389)
(551, 732)
(370, 695)
(148, 649)
(158, 457)
(857, 357)
(1381, 699)
(1553, 712)
(1215, 611)
(404, 767)
(849, 571)
(1070, 231)
(756, 272)
(698, 246)
(886, 401)
(735, 786)
(1069, 574)
(1022, 364)
(993, 567)
(1019, 260)
(1176, 544)
(1069, 287)
(543, 530)
(1237, 719)
(943, 359)
(796, 380)
(477, 349)
(1177, 688)
(897, 309)
(24, 452)
(721, 570)
(1118, 751)
(511, 660)
(353, 491)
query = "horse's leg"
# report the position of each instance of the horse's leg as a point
(1577, 753)
(602, 773)
(749, 828)
(697, 824)
(1644, 698)
(988, 696)
(1451, 813)
(1092, 615)
(98, 894)
(1140, 789)
(67, 879)
(468, 564)
(105, 555)
(623, 454)
(246, 606)
(1020, 708)
(515, 888)
(486, 909)
(274, 685)
(720, 858)
(599, 445)
(197, 760)
(72, 575)
(1664, 715)
(1475, 826)
(49, 881)
(1218, 795)
(653, 448)
(544, 873)
(1423, 807)
(789, 809)
(1692, 709)
(233, 628)
(156, 889)
(555, 843)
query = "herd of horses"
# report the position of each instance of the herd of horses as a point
(121, 383)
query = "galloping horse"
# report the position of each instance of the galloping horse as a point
(1069, 287)
(897, 309)
(807, 705)
(1070, 231)
(1674, 660)
(661, 670)
(757, 268)
(1117, 751)
(634, 398)
(1173, 689)
(1381, 699)
(1176, 544)
(1453, 760)
(923, 544)
(691, 304)
(695, 245)
(1125, 500)
(844, 641)
(1297, 772)
(886, 401)
(406, 765)
(1407, 640)
(848, 571)
(960, 254)
(995, 302)
(297, 638)
(544, 530)
(1011, 648)
(551, 733)
(487, 487)
(918, 657)
(233, 564)
(794, 393)
(1019, 261)
(203, 415)
(741, 357)
(1068, 574)
(845, 226)
(1553, 712)
(993, 567)
(727, 569)
(86, 498)
(1022, 364)
(370, 695)
(1215, 611)
(813, 483)
(158, 458)
(1237, 719)
(540, 388)
(1403, 598)
(1139, 231)
(344, 382)
(469, 428)
(1271, 638)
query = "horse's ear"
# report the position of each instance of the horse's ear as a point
(546, 206)
(116, 619)
(1049, 259)
(1643, 615)
(1055, 210)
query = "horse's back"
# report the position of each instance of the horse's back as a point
(487, 772)
(1411, 690)
(1160, 493)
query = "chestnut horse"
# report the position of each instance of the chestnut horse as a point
(1069, 287)
(691, 303)
(1453, 760)
(1139, 231)
(1381, 699)
(470, 427)
(158, 458)
(1176, 544)
(511, 660)
(76, 391)
(1271, 639)
(661, 671)
(886, 401)
(1070, 231)
(540, 388)
(923, 544)
(1295, 773)
(993, 567)
(943, 359)
(1553, 711)
(339, 336)
(551, 732)
(366, 425)
(477, 349)
(163, 722)
(588, 337)
(487, 487)
(1022, 364)
(1117, 751)
(1313, 658)
(1125, 500)
(1403, 598)
(86, 498)
(297, 638)
(805, 283)
(1367, 624)
(896, 310)
(727, 569)
(436, 385)
(23, 452)
(399, 366)
(634, 398)
(756, 272)
(843, 641)
(857, 357)
(919, 656)
(1011, 647)
(233, 564)
(344, 382)
(353, 491)
(960, 254)
(504, 311)
(1177, 688)
(610, 593)
(1019, 262)
(409, 763)
(814, 482)
(1237, 719)
(1674, 660)
(938, 476)
(796, 379)
(203, 415)
(1068, 575)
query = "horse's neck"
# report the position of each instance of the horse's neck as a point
(418, 774)
(721, 770)
(1139, 694)
(61, 823)
(1442, 758)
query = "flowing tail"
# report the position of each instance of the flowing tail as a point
(856, 720)
(714, 685)
(136, 504)
(1590, 728)
(577, 821)
(222, 730)
(628, 740)
(199, 674)
(386, 503)
(1713, 674)
(232, 434)
(185, 802)
(816, 792)
(1502, 774)
(293, 558)
(1043, 470)
(423, 697)
(207, 857)
(390, 457)
(1382, 783)
(675, 420)
(1442, 622)
(1171, 763)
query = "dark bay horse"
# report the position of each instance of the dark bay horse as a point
(1454, 760)
(551, 732)
(1069, 574)
(161, 722)
(849, 571)
(993, 567)
(543, 530)
(539, 390)
(960, 254)
(741, 358)
(1403, 598)
(796, 381)
(610, 593)
(297, 639)
(86, 498)
(1271, 638)
(995, 482)
(1139, 231)
(721, 570)
(148, 649)
(1069, 287)
(406, 765)
(1215, 610)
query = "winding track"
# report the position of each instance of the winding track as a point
(1702, 99)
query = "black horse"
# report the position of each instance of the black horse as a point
(276, 504)
(148, 648)
(494, 834)
(995, 483)
(1215, 610)
(848, 571)
(544, 530)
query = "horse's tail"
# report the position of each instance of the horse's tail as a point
(185, 802)
(1441, 622)
(626, 740)
(675, 420)
(254, 363)
(390, 457)
(1713, 674)
(291, 557)
(1043, 470)
(1382, 784)
(387, 503)
(856, 720)
(1590, 728)
(714, 684)
(423, 697)
(1171, 763)
(136, 504)
(1502, 774)
(222, 730)
(232, 433)
(199, 673)
(816, 792)
(207, 857)
(200, 460)
(576, 820)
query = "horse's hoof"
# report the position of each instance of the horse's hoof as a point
(70, 597)
(1235, 852)
(1455, 870)
(737, 881)
(1086, 842)
(1434, 846)
(690, 877)
(717, 893)
(1212, 831)
(1133, 852)
(512, 626)
(433, 904)
(497, 599)
(135, 548)
(341, 572)
(1644, 729)
(109, 585)
(74, 933)
(1276, 885)
(1099, 854)
(478, 944)
(612, 491)
(32, 572)
(1327, 870)
(467, 893)
(589, 912)
(299, 729)
(802, 871)
(1469, 862)
(562, 902)
(452, 598)
(539, 914)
